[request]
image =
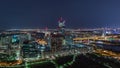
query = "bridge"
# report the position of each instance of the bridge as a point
(94, 38)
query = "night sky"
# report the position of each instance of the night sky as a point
(45, 13)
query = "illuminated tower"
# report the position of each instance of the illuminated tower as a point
(58, 37)
(29, 36)
(103, 32)
(61, 25)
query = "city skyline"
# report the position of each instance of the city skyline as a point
(45, 13)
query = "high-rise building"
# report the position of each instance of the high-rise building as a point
(58, 37)
(56, 41)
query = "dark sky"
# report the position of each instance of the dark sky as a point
(45, 13)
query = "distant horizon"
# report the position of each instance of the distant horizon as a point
(56, 28)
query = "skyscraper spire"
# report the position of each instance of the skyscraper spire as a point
(61, 23)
